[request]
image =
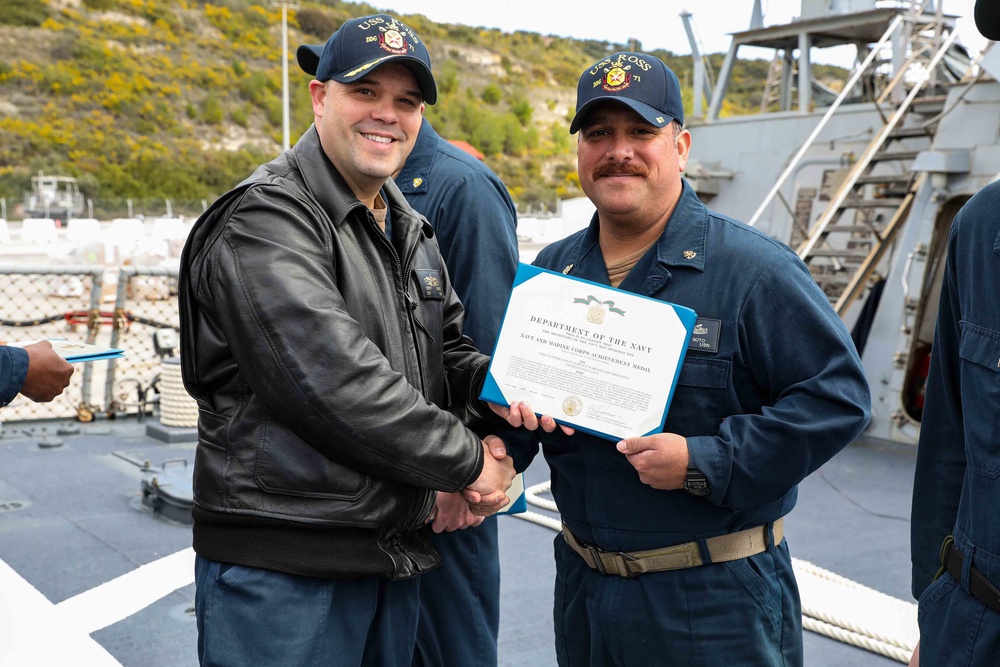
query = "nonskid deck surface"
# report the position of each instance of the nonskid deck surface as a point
(88, 575)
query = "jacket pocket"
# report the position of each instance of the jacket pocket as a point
(285, 464)
(697, 406)
(979, 350)
(212, 430)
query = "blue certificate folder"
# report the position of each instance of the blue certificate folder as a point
(76, 353)
(518, 501)
(577, 312)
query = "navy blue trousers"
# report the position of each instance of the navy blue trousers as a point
(460, 600)
(250, 616)
(745, 612)
(956, 629)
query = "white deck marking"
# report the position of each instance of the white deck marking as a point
(33, 631)
(119, 598)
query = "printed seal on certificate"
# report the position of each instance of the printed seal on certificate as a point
(600, 359)
(572, 405)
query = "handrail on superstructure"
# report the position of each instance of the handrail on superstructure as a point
(858, 72)
(848, 185)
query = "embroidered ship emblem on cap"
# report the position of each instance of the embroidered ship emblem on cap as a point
(616, 77)
(393, 42)
(391, 38)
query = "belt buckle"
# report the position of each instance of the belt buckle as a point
(595, 553)
(627, 558)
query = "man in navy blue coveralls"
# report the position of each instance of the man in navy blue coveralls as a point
(35, 370)
(770, 389)
(957, 479)
(956, 489)
(476, 226)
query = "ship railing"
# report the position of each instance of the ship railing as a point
(122, 307)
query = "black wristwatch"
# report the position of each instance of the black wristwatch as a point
(696, 483)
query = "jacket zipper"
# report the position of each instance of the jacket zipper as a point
(410, 303)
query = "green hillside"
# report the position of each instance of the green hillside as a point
(179, 100)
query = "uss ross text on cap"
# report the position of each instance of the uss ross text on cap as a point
(988, 19)
(362, 45)
(638, 80)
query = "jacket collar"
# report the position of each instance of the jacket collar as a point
(328, 187)
(321, 178)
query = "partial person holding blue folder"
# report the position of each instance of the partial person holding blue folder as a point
(34, 370)
(672, 550)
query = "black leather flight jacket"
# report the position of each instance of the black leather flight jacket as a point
(331, 375)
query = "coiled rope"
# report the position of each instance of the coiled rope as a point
(832, 605)
(177, 408)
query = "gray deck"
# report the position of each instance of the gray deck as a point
(80, 523)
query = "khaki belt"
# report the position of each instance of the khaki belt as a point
(722, 548)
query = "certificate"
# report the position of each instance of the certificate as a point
(600, 359)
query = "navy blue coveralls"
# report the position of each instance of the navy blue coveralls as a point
(781, 392)
(13, 371)
(957, 480)
(475, 222)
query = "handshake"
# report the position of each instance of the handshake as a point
(488, 494)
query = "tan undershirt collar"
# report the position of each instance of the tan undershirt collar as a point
(617, 270)
(380, 211)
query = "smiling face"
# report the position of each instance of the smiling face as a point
(630, 170)
(368, 127)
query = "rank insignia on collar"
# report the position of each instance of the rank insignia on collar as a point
(569, 267)
(417, 181)
(690, 254)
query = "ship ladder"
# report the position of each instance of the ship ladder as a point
(779, 71)
(870, 206)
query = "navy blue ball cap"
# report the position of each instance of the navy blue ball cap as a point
(988, 18)
(362, 45)
(638, 80)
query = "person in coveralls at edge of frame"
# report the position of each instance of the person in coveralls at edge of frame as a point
(672, 548)
(475, 223)
(954, 523)
(322, 340)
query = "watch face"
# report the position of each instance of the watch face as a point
(696, 483)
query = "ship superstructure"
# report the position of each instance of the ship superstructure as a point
(862, 181)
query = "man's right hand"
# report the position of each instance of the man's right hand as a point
(48, 373)
(487, 495)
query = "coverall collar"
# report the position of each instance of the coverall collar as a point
(682, 244)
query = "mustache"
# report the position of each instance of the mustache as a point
(618, 169)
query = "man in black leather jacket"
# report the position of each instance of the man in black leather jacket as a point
(323, 343)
